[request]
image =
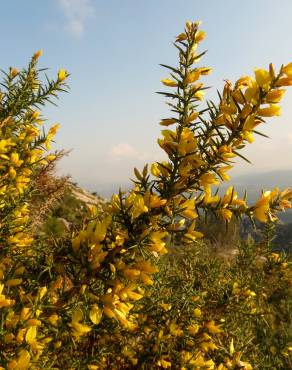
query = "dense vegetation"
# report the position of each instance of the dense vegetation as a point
(133, 283)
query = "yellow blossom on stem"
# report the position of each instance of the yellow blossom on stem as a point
(272, 110)
(262, 206)
(192, 77)
(287, 69)
(62, 75)
(168, 121)
(263, 78)
(14, 72)
(284, 81)
(169, 83)
(181, 37)
(37, 54)
(226, 214)
(200, 36)
(212, 327)
(274, 96)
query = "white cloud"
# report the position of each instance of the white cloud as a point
(125, 150)
(77, 12)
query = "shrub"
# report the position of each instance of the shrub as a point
(97, 301)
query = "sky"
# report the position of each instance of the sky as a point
(112, 49)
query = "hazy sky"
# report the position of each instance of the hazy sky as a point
(113, 48)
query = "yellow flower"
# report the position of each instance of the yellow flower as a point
(287, 69)
(193, 329)
(138, 206)
(197, 312)
(100, 230)
(192, 234)
(187, 143)
(192, 117)
(226, 214)
(192, 77)
(155, 169)
(205, 70)
(50, 157)
(212, 328)
(14, 72)
(284, 81)
(4, 302)
(208, 198)
(96, 256)
(163, 363)
(12, 172)
(199, 95)
(200, 35)
(248, 136)
(263, 78)
(145, 278)
(30, 335)
(262, 207)
(181, 37)
(275, 96)
(189, 25)
(34, 322)
(226, 152)
(275, 257)
(95, 314)
(62, 74)
(155, 201)
(14, 158)
(156, 242)
(175, 330)
(185, 169)
(78, 328)
(208, 179)
(42, 291)
(250, 123)
(188, 208)
(53, 130)
(229, 108)
(165, 306)
(131, 274)
(272, 110)
(208, 346)
(252, 94)
(244, 81)
(168, 121)
(53, 319)
(168, 82)
(222, 172)
(22, 362)
(37, 54)
(5, 144)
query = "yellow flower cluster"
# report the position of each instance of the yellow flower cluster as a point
(200, 151)
(23, 157)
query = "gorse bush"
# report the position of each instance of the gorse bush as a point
(107, 297)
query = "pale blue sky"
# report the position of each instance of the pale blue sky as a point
(113, 48)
